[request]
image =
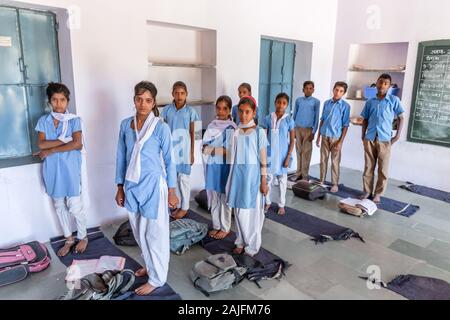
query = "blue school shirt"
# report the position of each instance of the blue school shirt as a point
(217, 170)
(307, 113)
(278, 148)
(143, 197)
(380, 114)
(179, 123)
(62, 170)
(246, 172)
(235, 115)
(335, 116)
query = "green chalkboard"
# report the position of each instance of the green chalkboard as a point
(430, 115)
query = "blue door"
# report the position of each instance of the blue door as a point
(29, 60)
(276, 73)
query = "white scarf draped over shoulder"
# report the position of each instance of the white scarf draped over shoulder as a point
(134, 168)
(64, 118)
(214, 131)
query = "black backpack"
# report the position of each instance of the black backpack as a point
(257, 271)
(309, 191)
(202, 200)
(124, 236)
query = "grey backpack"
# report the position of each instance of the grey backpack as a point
(184, 233)
(216, 273)
(109, 285)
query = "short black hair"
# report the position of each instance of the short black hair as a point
(385, 76)
(307, 83)
(179, 84)
(282, 95)
(246, 86)
(54, 87)
(341, 84)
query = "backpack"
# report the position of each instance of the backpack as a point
(202, 200)
(257, 271)
(18, 262)
(109, 285)
(184, 233)
(309, 191)
(216, 273)
(124, 235)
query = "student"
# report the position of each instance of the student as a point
(244, 90)
(333, 127)
(60, 142)
(145, 185)
(378, 115)
(181, 119)
(247, 182)
(306, 117)
(281, 133)
(215, 144)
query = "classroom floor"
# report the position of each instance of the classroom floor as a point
(418, 245)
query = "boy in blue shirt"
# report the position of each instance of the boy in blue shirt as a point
(306, 117)
(181, 119)
(333, 127)
(379, 114)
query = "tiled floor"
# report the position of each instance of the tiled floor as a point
(397, 245)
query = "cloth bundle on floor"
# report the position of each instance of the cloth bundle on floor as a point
(415, 287)
(99, 246)
(321, 230)
(427, 192)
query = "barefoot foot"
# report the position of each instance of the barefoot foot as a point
(64, 251)
(238, 250)
(142, 272)
(81, 246)
(213, 233)
(334, 189)
(281, 211)
(145, 290)
(221, 235)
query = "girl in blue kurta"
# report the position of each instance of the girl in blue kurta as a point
(215, 144)
(181, 119)
(146, 179)
(247, 182)
(60, 143)
(281, 133)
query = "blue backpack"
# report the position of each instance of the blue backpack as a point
(184, 233)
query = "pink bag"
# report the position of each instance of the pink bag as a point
(17, 262)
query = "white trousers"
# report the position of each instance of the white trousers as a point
(277, 183)
(183, 190)
(153, 237)
(71, 208)
(249, 225)
(220, 211)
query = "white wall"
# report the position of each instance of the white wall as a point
(109, 54)
(410, 21)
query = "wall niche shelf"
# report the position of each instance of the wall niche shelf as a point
(190, 56)
(367, 61)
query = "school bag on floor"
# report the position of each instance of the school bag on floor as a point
(109, 285)
(202, 200)
(18, 262)
(216, 273)
(309, 191)
(124, 235)
(184, 233)
(257, 271)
